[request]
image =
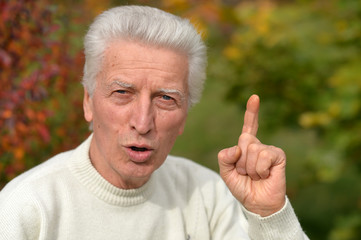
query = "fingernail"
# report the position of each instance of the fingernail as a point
(233, 151)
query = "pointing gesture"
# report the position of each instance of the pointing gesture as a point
(250, 124)
(254, 172)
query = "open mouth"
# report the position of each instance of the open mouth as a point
(137, 149)
(139, 154)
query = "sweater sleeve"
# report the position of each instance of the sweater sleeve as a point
(228, 219)
(280, 225)
(19, 216)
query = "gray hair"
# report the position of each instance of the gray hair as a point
(150, 26)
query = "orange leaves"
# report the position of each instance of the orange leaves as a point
(175, 4)
(18, 153)
(6, 114)
(5, 59)
(35, 67)
(96, 6)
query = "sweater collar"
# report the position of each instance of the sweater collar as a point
(80, 165)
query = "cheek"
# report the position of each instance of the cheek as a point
(172, 125)
(106, 116)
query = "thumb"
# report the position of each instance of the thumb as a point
(228, 157)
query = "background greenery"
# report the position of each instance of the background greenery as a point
(302, 57)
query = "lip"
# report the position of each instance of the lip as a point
(139, 156)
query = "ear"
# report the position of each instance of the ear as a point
(88, 106)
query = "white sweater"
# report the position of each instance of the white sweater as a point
(66, 198)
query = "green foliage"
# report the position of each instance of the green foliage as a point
(302, 57)
(304, 60)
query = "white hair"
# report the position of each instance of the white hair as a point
(150, 26)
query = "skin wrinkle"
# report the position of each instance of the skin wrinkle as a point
(139, 116)
(153, 65)
(161, 90)
(174, 94)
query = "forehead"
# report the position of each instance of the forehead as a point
(137, 60)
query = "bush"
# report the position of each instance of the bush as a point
(40, 98)
(304, 60)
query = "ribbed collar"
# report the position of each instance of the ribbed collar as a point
(80, 165)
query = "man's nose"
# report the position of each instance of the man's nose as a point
(142, 116)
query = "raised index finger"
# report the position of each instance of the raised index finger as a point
(250, 124)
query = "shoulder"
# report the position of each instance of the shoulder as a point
(22, 199)
(36, 177)
(47, 174)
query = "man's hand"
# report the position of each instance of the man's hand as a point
(254, 172)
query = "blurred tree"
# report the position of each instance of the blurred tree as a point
(39, 77)
(302, 57)
(304, 60)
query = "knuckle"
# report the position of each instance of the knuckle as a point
(279, 152)
(243, 137)
(265, 155)
(247, 138)
(276, 149)
(253, 147)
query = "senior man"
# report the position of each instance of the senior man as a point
(144, 69)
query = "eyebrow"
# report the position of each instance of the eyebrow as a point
(122, 84)
(162, 90)
(173, 91)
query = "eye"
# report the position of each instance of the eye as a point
(121, 91)
(166, 102)
(166, 97)
(122, 96)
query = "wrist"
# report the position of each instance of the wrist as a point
(265, 211)
(280, 225)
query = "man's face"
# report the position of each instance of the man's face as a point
(138, 109)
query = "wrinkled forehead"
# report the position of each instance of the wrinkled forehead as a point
(138, 59)
(130, 48)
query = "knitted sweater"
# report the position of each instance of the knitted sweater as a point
(66, 198)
